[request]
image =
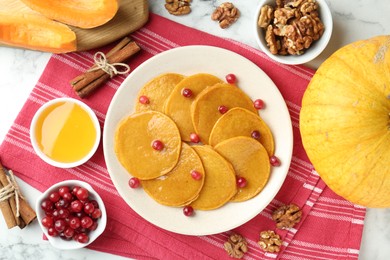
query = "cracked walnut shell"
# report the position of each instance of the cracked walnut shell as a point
(287, 216)
(236, 246)
(178, 7)
(226, 14)
(270, 241)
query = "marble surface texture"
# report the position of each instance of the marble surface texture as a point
(20, 70)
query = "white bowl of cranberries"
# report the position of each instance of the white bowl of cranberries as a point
(71, 214)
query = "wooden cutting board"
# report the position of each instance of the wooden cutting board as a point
(132, 15)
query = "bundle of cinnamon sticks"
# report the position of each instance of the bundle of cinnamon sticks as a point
(9, 206)
(87, 82)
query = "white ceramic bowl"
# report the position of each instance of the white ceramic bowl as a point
(49, 160)
(71, 244)
(315, 49)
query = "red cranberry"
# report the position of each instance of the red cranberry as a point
(274, 161)
(80, 214)
(51, 231)
(63, 237)
(60, 225)
(94, 226)
(55, 214)
(54, 196)
(196, 175)
(255, 134)
(88, 208)
(62, 190)
(241, 182)
(157, 145)
(82, 238)
(95, 204)
(47, 205)
(67, 196)
(194, 138)
(69, 232)
(47, 221)
(222, 109)
(231, 78)
(62, 203)
(75, 189)
(76, 206)
(82, 193)
(186, 92)
(63, 213)
(188, 211)
(97, 213)
(74, 222)
(134, 182)
(258, 104)
(86, 222)
(144, 100)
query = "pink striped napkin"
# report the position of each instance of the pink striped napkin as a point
(331, 227)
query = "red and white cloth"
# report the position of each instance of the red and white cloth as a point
(331, 227)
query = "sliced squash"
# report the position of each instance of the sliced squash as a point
(78, 13)
(22, 27)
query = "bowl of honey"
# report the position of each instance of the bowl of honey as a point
(65, 132)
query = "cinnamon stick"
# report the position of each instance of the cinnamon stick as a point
(5, 207)
(87, 82)
(26, 213)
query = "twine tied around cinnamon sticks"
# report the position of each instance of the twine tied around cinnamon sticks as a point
(96, 76)
(13, 206)
(12, 189)
(102, 63)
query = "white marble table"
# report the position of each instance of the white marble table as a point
(20, 70)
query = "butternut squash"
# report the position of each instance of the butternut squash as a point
(22, 27)
(78, 13)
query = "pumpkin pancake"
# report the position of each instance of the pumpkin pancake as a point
(157, 91)
(220, 182)
(133, 144)
(178, 106)
(250, 160)
(205, 109)
(178, 188)
(241, 122)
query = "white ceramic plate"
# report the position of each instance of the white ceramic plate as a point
(252, 80)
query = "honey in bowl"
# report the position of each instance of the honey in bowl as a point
(65, 132)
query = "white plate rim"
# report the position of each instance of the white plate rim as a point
(189, 60)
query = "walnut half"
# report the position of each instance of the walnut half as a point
(287, 216)
(270, 241)
(236, 246)
(266, 16)
(178, 7)
(226, 14)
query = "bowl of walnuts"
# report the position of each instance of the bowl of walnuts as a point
(293, 31)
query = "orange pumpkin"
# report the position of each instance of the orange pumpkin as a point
(78, 13)
(345, 122)
(22, 27)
